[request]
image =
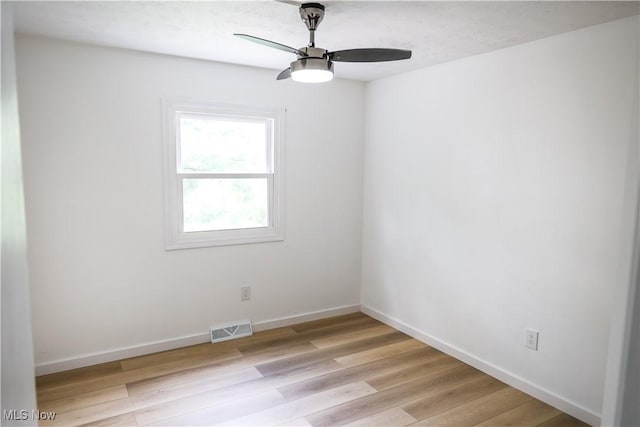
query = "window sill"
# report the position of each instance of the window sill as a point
(222, 238)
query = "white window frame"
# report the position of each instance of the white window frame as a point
(175, 236)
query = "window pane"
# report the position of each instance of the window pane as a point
(225, 204)
(212, 144)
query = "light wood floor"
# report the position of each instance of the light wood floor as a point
(347, 370)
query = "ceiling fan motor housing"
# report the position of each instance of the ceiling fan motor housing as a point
(313, 52)
(312, 63)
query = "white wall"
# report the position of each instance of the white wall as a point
(92, 145)
(493, 198)
(18, 386)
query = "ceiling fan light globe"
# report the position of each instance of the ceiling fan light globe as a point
(312, 76)
(312, 70)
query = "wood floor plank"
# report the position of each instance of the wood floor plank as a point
(354, 325)
(307, 405)
(188, 375)
(452, 397)
(378, 353)
(391, 366)
(79, 374)
(385, 380)
(221, 380)
(563, 420)
(300, 422)
(180, 407)
(529, 414)
(334, 340)
(145, 400)
(330, 321)
(86, 399)
(59, 391)
(396, 417)
(330, 353)
(312, 334)
(124, 420)
(395, 396)
(166, 356)
(170, 366)
(224, 411)
(176, 407)
(478, 410)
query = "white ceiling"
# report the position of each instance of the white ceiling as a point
(435, 31)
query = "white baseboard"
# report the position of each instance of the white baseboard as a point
(170, 344)
(511, 379)
(120, 353)
(304, 317)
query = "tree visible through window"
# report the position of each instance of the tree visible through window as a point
(223, 185)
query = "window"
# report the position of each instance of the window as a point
(222, 175)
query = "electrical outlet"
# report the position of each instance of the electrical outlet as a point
(531, 339)
(245, 293)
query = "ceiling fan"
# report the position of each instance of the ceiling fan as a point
(315, 65)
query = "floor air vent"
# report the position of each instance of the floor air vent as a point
(230, 331)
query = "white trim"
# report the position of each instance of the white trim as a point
(617, 400)
(305, 317)
(170, 344)
(509, 378)
(203, 175)
(120, 353)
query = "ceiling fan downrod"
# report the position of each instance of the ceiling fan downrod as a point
(312, 14)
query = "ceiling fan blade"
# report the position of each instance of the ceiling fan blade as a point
(290, 2)
(284, 74)
(369, 55)
(269, 43)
